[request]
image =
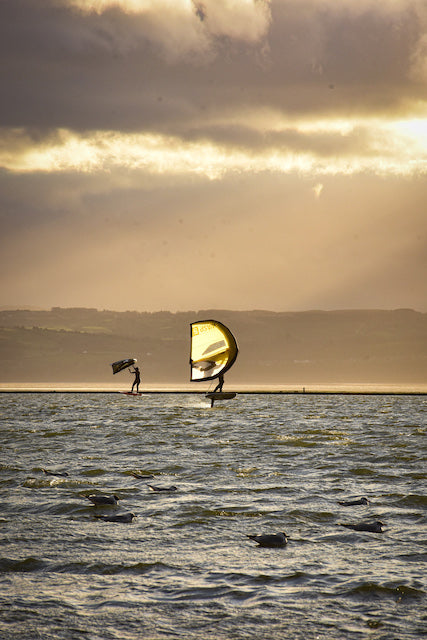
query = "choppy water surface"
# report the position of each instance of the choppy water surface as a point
(185, 568)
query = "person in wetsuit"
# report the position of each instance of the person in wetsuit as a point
(220, 383)
(137, 380)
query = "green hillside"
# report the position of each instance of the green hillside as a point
(78, 345)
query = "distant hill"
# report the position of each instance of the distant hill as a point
(78, 345)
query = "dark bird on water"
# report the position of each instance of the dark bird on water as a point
(60, 474)
(351, 503)
(120, 517)
(271, 540)
(103, 501)
(373, 527)
(171, 488)
(140, 476)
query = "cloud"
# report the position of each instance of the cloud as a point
(318, 148)
(418, 66)
(180, 28)
(163, 68)
(270, 149)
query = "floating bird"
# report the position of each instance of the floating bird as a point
(350, 503)
(120, 517)
(103, 501)
(270, 539)
(171, 488)
(60, 474)
(142, 477)
(373, 527)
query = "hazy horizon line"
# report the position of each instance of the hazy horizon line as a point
(219, 309)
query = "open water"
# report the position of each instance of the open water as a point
(185, 568)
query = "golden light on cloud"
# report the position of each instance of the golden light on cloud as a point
(180, 27)
(129, 6)
(388, 147)
(247, 19)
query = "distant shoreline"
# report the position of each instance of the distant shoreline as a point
(321, 389)
(241, 393)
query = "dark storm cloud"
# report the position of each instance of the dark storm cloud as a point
(65, 68)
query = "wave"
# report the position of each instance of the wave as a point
(34, 565)
(369, 591)
(412, 500)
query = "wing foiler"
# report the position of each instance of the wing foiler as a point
(213, 352)
(122, 364)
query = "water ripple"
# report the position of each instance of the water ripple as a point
(185, 567)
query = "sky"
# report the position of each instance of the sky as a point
(215, 154)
